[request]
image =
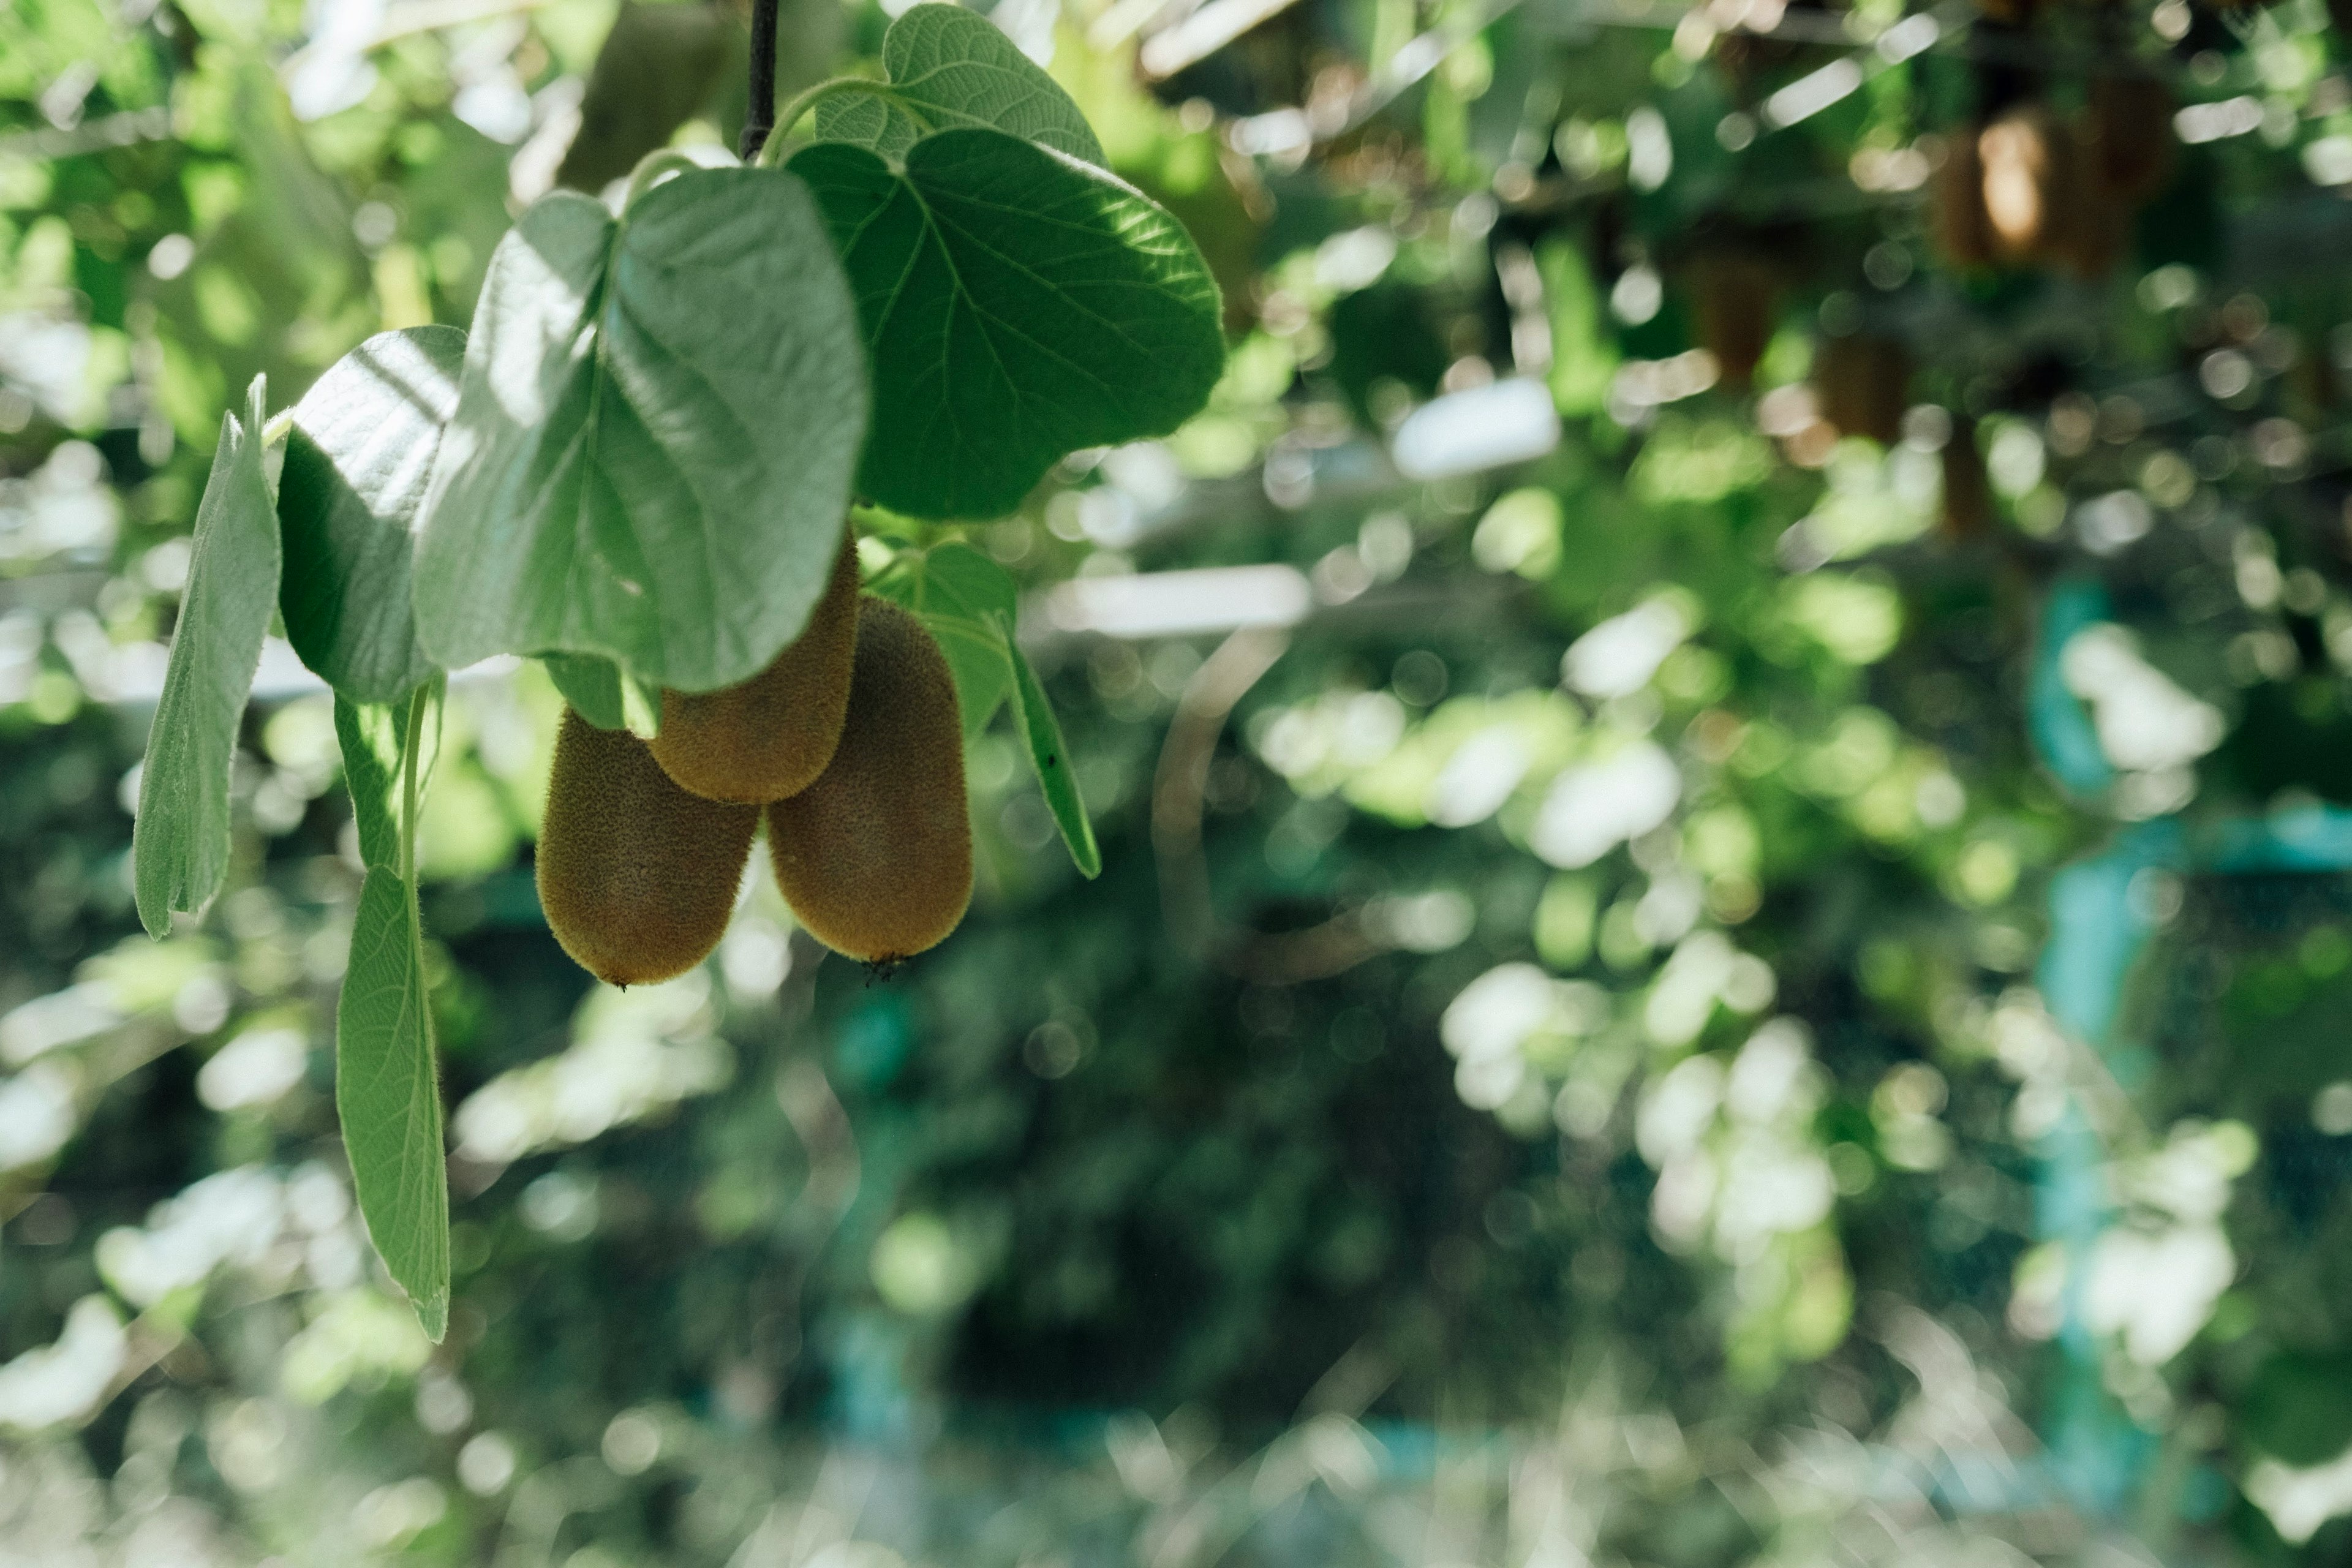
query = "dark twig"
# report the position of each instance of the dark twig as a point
(761, 118)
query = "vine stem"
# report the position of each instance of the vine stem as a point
(408, 787)
(758, 120)
(772, 153)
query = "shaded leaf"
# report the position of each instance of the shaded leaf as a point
(656, 431)
(1049, 757)
(180, 844)
(1018, 305)
(388, 1097)
(604, 693)
(357, 464)
(948, 68)
(370, 734)
(958, 593)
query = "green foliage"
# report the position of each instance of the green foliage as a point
(1017, 306)
(387, 1083)
(182, 846)
(653, 436)
(947, 68)
(358, 460)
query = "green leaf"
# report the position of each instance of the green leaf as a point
(1018, 305)
(389, 1099)
(948, 67)
(958, 593)
(604, 694)
(180, 844)
(357, 464)
(655, 432)
(1050, 758)
(369, 735)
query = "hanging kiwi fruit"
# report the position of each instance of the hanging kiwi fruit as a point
(638, 876)
(772, 735)
(1860, 383)
(874, 857)
(1737, 296)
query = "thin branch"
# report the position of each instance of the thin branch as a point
(761, 118)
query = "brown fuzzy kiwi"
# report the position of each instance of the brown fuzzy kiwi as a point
(876, 856)
(637, 877)
(770, 736)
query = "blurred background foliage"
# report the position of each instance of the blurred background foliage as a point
(1724, 937)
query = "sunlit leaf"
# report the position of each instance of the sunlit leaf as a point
(180, 845)
(357, 464)
(656, 431)
(948, 68)
(388, 1097)
(1019, 304)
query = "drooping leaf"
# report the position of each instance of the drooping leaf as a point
(357, 464)
(388, 1097)
(180, 844)
(947, 68)
(1019, 304)
(656, 431)
(1050, 758)
(958, 593)
(606, 695)
(370, 734)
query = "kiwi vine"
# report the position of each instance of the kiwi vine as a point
(518, 489)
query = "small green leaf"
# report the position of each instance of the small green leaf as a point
(604, 694)
(371, 738)
(180, 843)
(958, 593)
(357, 464)
(389, 1099)
(1018, 305)
(1050, 758)
(655, 432)
(946, 67)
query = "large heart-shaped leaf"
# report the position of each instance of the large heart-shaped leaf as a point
(945, 67)
(1018, 305)
(656, 433)
(180, 844)
(357, 464)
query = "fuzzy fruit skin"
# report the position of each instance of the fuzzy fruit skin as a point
(637, 877)
(876, 856)
(773, 734)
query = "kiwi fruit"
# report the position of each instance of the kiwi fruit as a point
(1860, 382)
(1957, 208)
(638, 876)
(874, 857)
(1737, 296)
(770, 736)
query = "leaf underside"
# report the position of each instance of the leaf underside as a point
(389, 1099)
(949, 67)
(656, 429)
(180, 842)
